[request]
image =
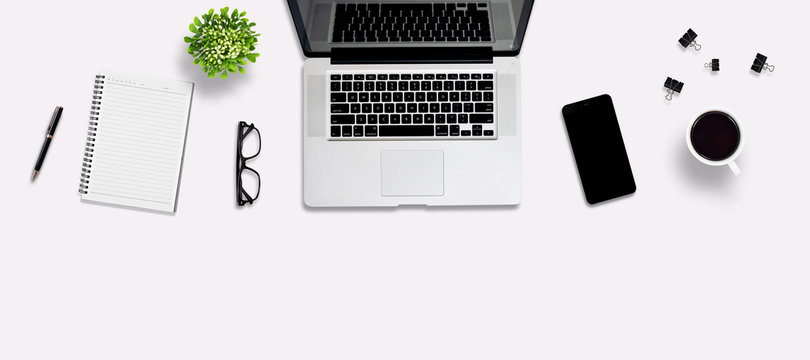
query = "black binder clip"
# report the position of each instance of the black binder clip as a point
(714, 65)
(673, 86)
(688, 39)
(759, 64)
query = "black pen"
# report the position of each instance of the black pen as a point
(57, 113)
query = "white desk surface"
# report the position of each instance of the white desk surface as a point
(696, 265)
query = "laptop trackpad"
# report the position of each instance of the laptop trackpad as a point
(412, 173)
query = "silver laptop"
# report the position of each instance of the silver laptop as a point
(411, 102)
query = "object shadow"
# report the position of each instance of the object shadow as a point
(203, 85)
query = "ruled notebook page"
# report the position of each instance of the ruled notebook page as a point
(139, 142)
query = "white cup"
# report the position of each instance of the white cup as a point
(730, 159)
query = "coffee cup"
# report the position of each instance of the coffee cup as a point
(715, 137)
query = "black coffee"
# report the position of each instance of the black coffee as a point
(715, 135)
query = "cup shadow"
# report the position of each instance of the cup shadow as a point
(705, 177)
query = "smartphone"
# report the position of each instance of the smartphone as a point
(598, 147)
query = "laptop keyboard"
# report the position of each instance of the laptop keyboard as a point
(411, 22)
(428, 105)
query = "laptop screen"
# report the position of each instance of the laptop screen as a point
(493, 25)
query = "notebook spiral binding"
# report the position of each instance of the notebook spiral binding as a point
(95, 107)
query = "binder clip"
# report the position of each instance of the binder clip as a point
(688, 39)
(759, 64)
(714, 65)
(673, 86)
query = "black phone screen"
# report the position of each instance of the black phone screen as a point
(598, 147)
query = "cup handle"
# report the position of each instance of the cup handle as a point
(734, 168)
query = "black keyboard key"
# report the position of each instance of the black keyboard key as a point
(342, 119)
(485, 85)
(489, 132)
(409, 130)
(392, 86)
(457, 107)
(386, 97)
(431, 96)
(429, 118)
(382, 77)
(358, 76)
(443, 96)
(441, 76)
(340, 108)
(423, 107)
(371, 77)
(425, 86)
(481, 118)
(334, 77)
(429, 76)
(369, 86)
(412, 108)
(488, 96)
(441, 130)
(483, 107)
(360, 119)
(355, 108)
(417, 118)
(347, 86)
(347, 77)
(451, 119)
(454, 96)
(403, 86)
(408, 97)
(487, 76)
(464, 76)
(397, 97)
(393, 77)
(338, 97)
(358, 131)
(335, 130)
(420, 96)
(465, 96)
(395, 119)
(445, 107)
(347, 130)
(357, 86)
(383, 119)
(375, 97)
(466, 133)
(463, 119)
(335, 86)
(400, 107)
(454, 130)
(363, 97)
(366, 108)
(476, 76)
(452, 76)
(372, 119)
(437, 86)
(389, 108)
(477, 96)
(405, 77)
(406, 119)
(371, 130)
(352, 97)
(468, 107)
(440, 118)
(470, 85)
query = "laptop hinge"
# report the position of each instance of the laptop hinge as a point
(412, 55)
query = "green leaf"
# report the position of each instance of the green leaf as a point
(190, 51)
(211, 12)
(235, 13)
(196, 61)
(224, 75)
(231, 67)
(241, 62)
(212, 74)
(197, 21)
(193, 29)
(224, 11)
(243, 13)
(188, 39)
(241, 70)
(252, 24)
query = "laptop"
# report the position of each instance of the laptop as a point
(411, 102)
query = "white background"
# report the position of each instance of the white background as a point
(696, 265)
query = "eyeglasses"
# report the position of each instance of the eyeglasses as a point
(247, 136)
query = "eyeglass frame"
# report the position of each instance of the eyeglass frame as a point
(241, 163)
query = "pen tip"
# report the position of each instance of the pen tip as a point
(35, 175)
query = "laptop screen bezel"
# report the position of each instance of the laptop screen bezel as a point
(520, 32)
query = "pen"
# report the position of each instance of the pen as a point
(57, 113)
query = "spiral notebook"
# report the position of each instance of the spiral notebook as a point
(136, 140)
